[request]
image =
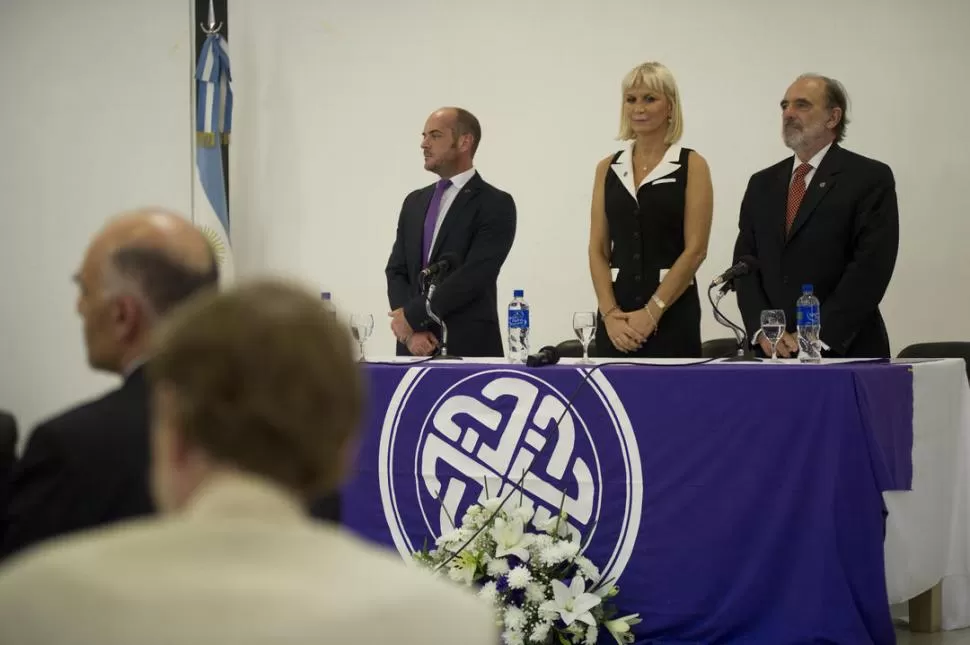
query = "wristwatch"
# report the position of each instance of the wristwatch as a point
(657, 301)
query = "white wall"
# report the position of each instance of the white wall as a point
(94, 119)
(330, 100)
(331, 97)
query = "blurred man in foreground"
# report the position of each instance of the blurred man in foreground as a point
(256, 401)
(89, 465)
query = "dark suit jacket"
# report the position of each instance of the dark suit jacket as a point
(843, 241)
(84, 468)
(479, 229)
(8, 455)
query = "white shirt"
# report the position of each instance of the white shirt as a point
(813, 162)
(448, 198)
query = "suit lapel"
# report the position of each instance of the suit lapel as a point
(822, 182)
(417, 226)
(456, 212)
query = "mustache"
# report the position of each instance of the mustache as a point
(792, 124)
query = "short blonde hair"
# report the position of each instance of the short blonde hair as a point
(659, 79)
(265, 380)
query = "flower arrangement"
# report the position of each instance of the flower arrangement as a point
(544, 592)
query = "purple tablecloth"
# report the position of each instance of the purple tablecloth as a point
(736, 503)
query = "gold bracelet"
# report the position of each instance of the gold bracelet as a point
(612, 309)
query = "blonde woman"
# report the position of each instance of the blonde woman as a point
(650, 225)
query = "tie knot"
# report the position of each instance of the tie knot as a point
(443, 184)
(803, 170)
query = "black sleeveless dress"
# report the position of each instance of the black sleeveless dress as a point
(647, 237)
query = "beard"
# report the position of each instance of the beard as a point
(797, 136)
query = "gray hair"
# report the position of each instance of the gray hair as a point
(835, 97)
(159, 281)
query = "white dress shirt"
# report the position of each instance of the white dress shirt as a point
(813, 162)
(448, 198)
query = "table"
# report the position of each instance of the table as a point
(731, 500)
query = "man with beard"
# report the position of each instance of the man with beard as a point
(459, 216)
(825, 217)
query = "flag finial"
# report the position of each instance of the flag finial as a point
(212, 27)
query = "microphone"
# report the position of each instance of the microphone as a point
(745, 265)
(447, 262)
(548, 355)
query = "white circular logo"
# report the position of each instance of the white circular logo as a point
(447, 444)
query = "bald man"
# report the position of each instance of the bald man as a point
(88, 466)
(460, 216)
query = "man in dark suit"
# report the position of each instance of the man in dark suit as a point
(89, 466)
(8, 453)
(459, 216)
(826, 217)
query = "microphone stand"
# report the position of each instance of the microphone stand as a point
(431, 288)
(745, 353)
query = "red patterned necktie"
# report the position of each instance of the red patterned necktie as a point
(795, 194)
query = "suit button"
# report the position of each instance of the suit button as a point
(636, 212)
(636, 235)
(638, 300)
(636, 256)
(636, 277)
(785, 280)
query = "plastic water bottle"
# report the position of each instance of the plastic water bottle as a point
(809, 315)
(518, 327)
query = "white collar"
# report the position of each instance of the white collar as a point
(814, 162)
(623, 166)
(462, 178)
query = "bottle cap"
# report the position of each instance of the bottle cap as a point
(807, 288)
(518, 293)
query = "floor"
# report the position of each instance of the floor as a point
(961, 637)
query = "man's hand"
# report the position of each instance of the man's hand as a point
(422, 343)
(787, 345)
(400, 326)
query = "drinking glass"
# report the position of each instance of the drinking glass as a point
(584, 324)
(773, 326)
(362, 325)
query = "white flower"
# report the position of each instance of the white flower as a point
(490, 505)
(557, 525)
(513, 638)
(619, 628)
(519, 577)
(572, 603)
(587, 568)
(497, 567)
(543, 542)
(511, 539)
(535, 592)
(462, 568)
(489, 592)
(591, 635)
(540, 633)
(514, 619)
(455, 536)
(523, 512)
(552, 555)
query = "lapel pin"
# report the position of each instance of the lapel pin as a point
(821, 184)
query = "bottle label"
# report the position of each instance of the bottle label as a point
(518, 318)
(808, 315)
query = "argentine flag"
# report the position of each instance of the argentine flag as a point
(213, 121)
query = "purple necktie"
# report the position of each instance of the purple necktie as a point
(431, 218)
